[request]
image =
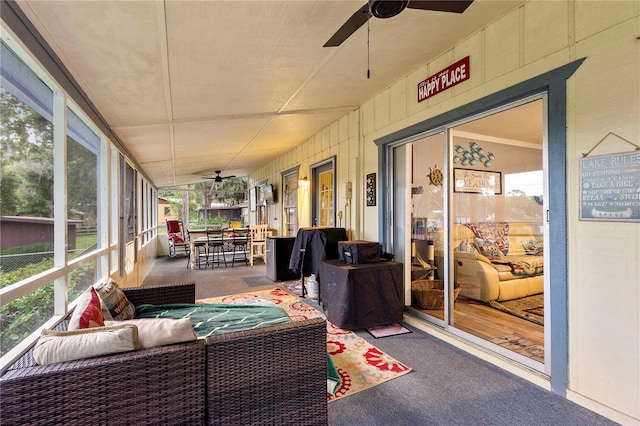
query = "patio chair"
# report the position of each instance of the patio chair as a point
(178, 239)
(215, 244)
(258, 246)
(239, 243)
(201, 249)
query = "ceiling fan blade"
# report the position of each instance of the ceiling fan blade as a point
(454, 6)
(357, 20)
(227, 177)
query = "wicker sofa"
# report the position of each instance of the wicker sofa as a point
(483, 279)
(269, 375)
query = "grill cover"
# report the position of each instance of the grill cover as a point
(359, 252)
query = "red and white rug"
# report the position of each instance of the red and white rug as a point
(360, 364)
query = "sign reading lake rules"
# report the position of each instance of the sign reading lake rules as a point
(443, 80)
(610, 187)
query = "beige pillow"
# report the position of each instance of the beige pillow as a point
(60, 346)
(160, 331)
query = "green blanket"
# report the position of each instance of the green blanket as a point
(209, 319)
(214, 318)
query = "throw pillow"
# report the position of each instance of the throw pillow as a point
(175, 238)
(60, 346)
(533, 247)
(88, 311)
(492, 231)
(160, 331)
(466, 247)
(116, 303)
(488, 249)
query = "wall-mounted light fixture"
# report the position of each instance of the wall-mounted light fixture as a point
(304, 183)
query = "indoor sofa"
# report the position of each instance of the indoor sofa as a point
(515, 271)
(274, 374)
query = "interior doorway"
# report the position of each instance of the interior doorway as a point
(469, 203)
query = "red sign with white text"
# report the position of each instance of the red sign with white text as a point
(443, 80)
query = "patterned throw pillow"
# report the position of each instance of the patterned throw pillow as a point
(533, 247)
(116, 304)
(492, 231)
(466, 246)
(88, 311)
(488, 249)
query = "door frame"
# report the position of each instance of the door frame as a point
(554, 84)
(316, 168)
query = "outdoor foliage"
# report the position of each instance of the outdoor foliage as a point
(231, 192)
(21, 317)
(26, 143)
(26, 189)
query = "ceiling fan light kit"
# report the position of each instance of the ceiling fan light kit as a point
(217, 178)
(388, 8)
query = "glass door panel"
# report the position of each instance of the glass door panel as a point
(323, 182)
(497, 231)
(290, 204)
(468, 224)
(427, 221)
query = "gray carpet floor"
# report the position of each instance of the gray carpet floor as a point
(446, 386)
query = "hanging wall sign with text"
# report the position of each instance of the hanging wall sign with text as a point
(610, 187)
(444, 79)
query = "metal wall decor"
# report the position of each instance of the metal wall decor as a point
(472, 156)
(371, 189)
(436, 176)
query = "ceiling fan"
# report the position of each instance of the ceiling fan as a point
(389, 8)
(217, 178)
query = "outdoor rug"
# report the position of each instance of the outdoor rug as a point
(530, 308)
(360, 364)
(256, 281)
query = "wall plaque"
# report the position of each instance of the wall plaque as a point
(371, 189)
(477, 181)
(610, 187)
(444, 79)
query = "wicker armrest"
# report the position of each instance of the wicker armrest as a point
(162, 294)
(277, 372)
(163, 385)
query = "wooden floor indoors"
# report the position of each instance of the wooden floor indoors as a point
(490, 324)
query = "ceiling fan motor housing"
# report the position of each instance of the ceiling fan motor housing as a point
(386, 8)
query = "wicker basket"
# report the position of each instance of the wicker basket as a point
(429, 294)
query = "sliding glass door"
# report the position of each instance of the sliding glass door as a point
(469, 225)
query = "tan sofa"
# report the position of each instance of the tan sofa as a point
(482, 279)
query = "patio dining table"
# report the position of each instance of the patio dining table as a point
(200, 236)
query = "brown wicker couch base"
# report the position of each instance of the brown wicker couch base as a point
(271, 375)
(163, 385)
(278, 375)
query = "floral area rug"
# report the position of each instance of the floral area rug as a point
(359, 364)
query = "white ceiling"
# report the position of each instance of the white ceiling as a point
(191, 87)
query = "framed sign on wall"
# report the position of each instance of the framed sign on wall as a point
(610, 187)
(477, 181)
